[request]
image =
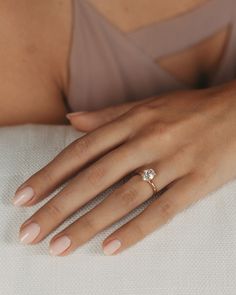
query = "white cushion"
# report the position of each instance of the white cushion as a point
(195, 253)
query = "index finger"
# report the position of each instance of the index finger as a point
(74, 157)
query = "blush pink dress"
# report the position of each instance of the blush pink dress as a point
(108, 66)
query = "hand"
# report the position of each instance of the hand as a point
(188, 137)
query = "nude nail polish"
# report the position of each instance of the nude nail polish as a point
(23, 196)
(59, 245)
(29, 233)
(70, 115)
(111, 247)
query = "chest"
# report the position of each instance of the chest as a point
(193, 64)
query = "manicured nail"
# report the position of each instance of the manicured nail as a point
(70, 115)
(111, 247)
(29, 233)
(23, 196)
(59, 245)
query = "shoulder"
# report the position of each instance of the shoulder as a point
(40, 28)
(34, 48)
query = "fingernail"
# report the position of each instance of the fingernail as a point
(111, 247)
(29, 233)
(23, 196)
(70, 115)
(59, 245)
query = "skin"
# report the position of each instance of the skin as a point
(129, 15)
(33, 65)
(188, 65)
(37, 64)
(189, 135)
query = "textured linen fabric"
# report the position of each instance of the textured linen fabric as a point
(195, 253)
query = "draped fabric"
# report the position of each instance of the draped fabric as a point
(108, 66)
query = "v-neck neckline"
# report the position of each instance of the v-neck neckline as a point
(173, 23)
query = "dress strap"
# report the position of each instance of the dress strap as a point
(184, 30)
(228, 64)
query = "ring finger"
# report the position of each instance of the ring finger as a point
(80, 190)
(122, 201)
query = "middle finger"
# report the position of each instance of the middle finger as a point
(90, 182)
(119, 203)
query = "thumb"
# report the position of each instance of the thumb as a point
(88, 121)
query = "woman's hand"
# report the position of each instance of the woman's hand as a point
(188, 137)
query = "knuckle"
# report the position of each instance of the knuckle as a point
(186, 154)
(185, 149)
(201, 175)
(138, 230)
(47, 177)
(141, 110)
(129, 198)
(161, 131)
(88, 225)
(168, 136)
(166, 210)
(205, 168)
(53, 210)
(95, 175)
(82, 146)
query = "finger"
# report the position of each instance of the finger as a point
(111, 209)
(74, 157)
(88, 121)
(77, 155)
(81, 190)
(123, 200)
(178, 197)
(116, 205)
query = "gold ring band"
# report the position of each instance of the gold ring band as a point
(148, 175)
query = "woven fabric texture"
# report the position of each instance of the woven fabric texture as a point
(194, 254)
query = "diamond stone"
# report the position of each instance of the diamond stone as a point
(148, 174)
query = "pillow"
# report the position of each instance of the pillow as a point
(195, 253)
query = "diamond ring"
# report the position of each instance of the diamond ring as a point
(148, 175)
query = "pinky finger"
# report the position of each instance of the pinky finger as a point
(178, 197)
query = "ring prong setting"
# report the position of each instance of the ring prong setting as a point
(148, 174)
